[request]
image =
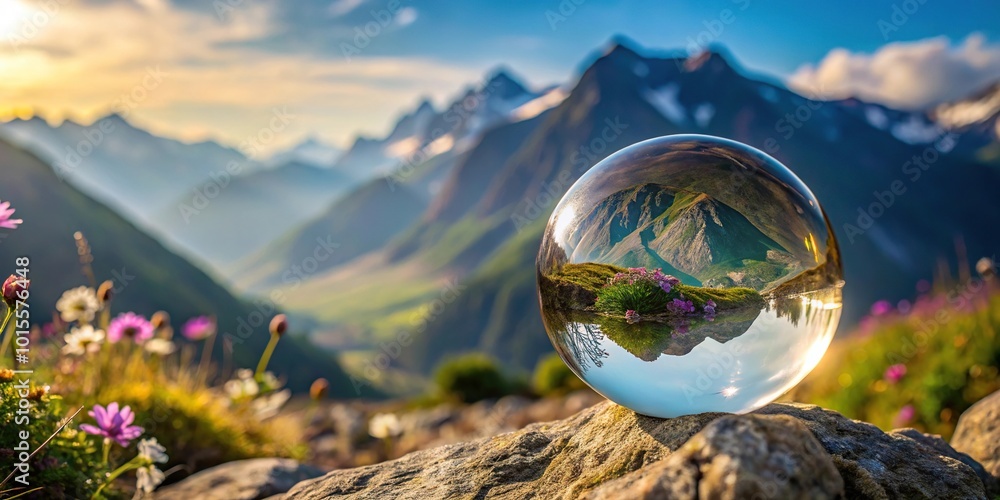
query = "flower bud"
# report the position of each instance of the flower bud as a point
(319, 389)
(279, 324)
(105, 291)
(12, 289)
(159, 320)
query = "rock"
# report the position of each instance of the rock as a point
(978, 433)
(750, 456)
(939, 445)
(252, 479)
(879, 465)
(594, 448)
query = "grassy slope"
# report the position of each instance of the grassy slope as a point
(950, 347)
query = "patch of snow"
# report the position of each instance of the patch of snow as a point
(664, 99)
(539, 105)
(913, 130)
(703, 114)
(876, 117)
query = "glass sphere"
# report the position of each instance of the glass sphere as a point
(689, 274)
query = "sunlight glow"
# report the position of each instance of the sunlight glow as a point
(13, 14)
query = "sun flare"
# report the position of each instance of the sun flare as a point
(13, 14)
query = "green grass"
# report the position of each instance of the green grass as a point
(951, 351)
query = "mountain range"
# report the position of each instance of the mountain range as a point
(440, 221)
(147, 276)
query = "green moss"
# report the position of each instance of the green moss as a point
(589, 275)
(725, 298)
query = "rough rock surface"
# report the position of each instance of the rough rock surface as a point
(942, 447)
(978, 433)
(253, 479)
(752, 456)
(596, 450)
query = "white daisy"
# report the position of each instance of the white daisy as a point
(152, 451)
(83, 339)
(78, 304)
(147, 478)
(384, 425)
(159, 347)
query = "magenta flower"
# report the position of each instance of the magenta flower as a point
(5, 213)
(904, 416)
(631, 316)
(198, 328)
(131, 326)
(113, 424)
(881, 307)
(895, 373)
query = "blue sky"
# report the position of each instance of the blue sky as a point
(230, 63)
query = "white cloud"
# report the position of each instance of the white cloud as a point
(341, 7)
(910, 75)
(213, 85)
(406, 16)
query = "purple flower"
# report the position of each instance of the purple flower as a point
(198, 328)
(681, 306)
(710, 307)
(113, 424)
(5, 213)
(631, 316)
(881, 308)
(131, 326)
(895, 373)
(904, 416)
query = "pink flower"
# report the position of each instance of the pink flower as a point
(904, 416)
(113, 424)
(13, 289)
(5, 213)
(198, 328)
(631, 316)
(881, 307)
(681, 306)
(895, 373)
(132, 326)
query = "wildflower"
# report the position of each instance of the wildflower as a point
(681, 306)
(710, 308)
(83, 339)
(384, 425)
(198, 328)
(881, 308)
(905, 416)
(148, 476)
(159, 347)
(895, 373)
(631, 316)
(37, 393)
(7, 375)
(78, 304)
(267, 406)
(113, 424)
(132, 326)
(279, 324)
(5, 220)
(319, 389)
(242, 387)
(12, 288)
(160, 319)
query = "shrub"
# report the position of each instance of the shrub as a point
(553, 377)
(470, 378)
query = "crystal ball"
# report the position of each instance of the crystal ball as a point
(689, 274)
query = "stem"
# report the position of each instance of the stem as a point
(107, 451)
(127, 466)
(206, 356)
(267, 356)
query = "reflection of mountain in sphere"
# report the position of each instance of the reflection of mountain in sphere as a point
(687, 274)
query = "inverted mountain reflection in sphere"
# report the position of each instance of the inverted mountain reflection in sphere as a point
(688, 274)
